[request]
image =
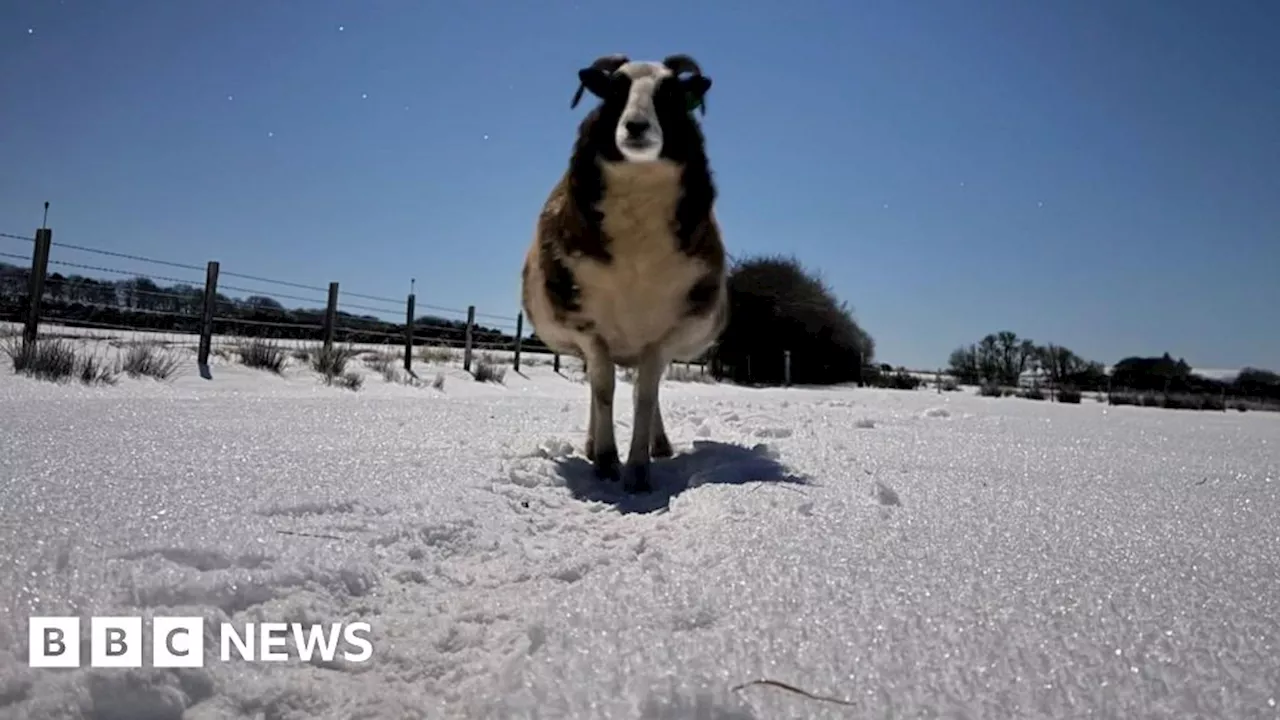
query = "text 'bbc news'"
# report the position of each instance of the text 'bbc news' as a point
(179, 642)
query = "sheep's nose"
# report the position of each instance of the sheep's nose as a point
(636, 128)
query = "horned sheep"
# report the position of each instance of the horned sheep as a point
(627, 266)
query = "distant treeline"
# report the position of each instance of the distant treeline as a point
(141, 304)
(1001, 359)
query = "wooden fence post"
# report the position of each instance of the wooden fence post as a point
(519, 332)
(786, 368)
(466, 352)
(408, 333)
(35, 284)
(331, 317)
(208, 311)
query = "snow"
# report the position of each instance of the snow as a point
(912, 553)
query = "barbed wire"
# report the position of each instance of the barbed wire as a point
(273, 295)
(99, 325)
(268, 323)
(446, 325)
(269, 281)
(127, 256)
(374, 298)
(116, 305)
(128, 273)
(140, 302)
(133, 257)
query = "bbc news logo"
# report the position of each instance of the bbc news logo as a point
(178, 642)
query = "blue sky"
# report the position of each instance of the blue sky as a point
(1100, 174)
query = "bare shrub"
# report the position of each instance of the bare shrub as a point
(95, 370)
(53, 360)
(331, 362)
(383, 363)
(490, 372)
(262, 354)
(150, 360)
(57, 360)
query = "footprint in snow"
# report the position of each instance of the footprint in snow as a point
(883, 494)
(774, 432)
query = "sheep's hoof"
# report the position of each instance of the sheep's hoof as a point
(661, 447)
(606, 465)
(637, 478)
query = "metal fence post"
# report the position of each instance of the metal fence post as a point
(519, 332)
(408, 332)
(466, 352)
(35, 285)
(208, 311)
(331, 317)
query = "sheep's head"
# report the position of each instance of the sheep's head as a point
(646, 107)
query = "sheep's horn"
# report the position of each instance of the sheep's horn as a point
(681, 64)
(604, 62)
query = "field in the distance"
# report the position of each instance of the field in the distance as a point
(915, 554)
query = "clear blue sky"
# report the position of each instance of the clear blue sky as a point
(1101, 174)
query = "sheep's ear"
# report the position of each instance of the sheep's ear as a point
(695, 92)
(593, 79)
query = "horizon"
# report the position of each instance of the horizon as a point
(481, 323)
(949, 172)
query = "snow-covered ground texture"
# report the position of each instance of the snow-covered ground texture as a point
(907, 553)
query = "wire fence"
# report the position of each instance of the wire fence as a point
(83, 293)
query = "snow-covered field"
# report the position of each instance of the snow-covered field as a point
(910, 553)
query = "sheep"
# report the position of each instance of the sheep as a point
(627, 266)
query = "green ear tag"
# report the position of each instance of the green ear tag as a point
(692, 103)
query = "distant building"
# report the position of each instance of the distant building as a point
(1035, 377)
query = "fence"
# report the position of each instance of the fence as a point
(195, 309)
(192, 308)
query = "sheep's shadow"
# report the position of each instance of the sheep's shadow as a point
(708, 463)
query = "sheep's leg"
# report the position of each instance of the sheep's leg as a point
(660, 446)
(648, 380)
(589, 449)
(602, 448)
